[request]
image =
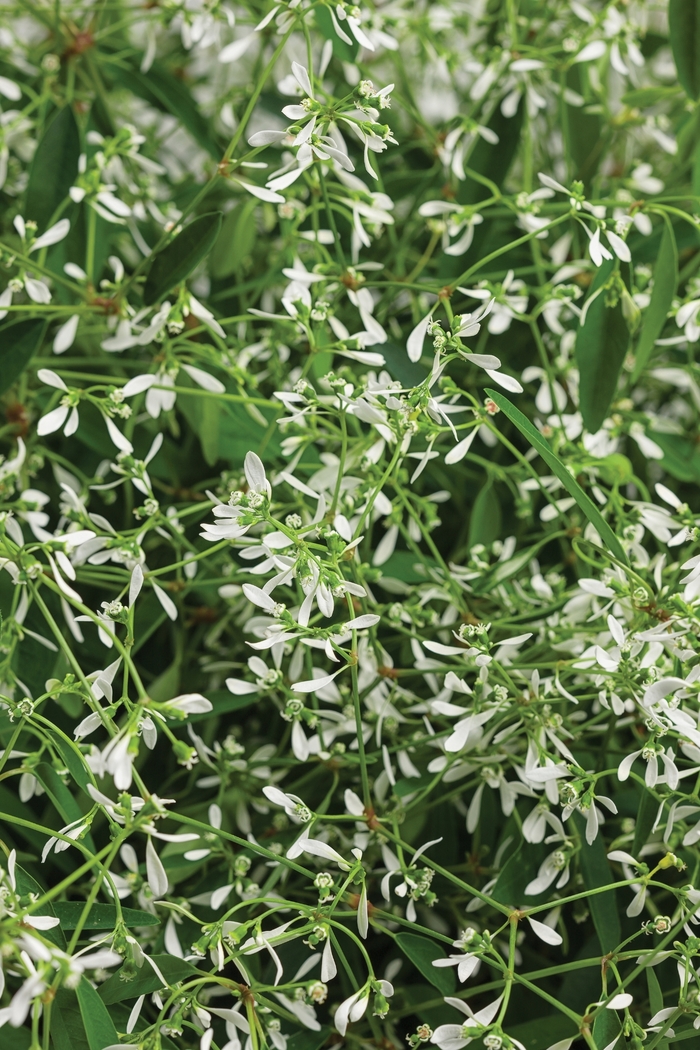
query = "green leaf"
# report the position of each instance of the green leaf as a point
(99, 1026)
(681, 455)
(422, 952)
(176, 261)
(485, 521)
(583, 128)
(662, 293)
(72, 761)
(16, 1038)
(306, 1040)
(236, 240)
(67, 1028)
(61, 798)
(684, 32)
(223, 702)
(116, 988)
(596, 872)
(640, 98)
(585, 503)
(605, 1027)
(492, 160)
(656, 1000)
(19, 341)
(408, 373)
(28, 886)
(166, 92)
(601, 345)
(541, 1032)
(644, 822)
(54, 168)
(342, 50)
(101, 916)
(521, 868)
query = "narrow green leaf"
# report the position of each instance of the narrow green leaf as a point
(681, 456)
(54, 168)
(492, 160)
(541, 1032)
(341, 49)
(177, 260)
(61, 798)
(101, 916)
(16, 1038)
(596, 872)
(585, 503)
(28, 886)
(520, 868)
(684, 31)
(117, 988)
(236, 240)
(72, 761)
(67, 1028)
(656, 1000)
(422, 952)
(306, 1040)
(485, 521)
(662, 293)
(99, 1026)
(19, 341)
(583, 128)
(644, 822)
(605, 1027)
(601, 345)
(166, 92)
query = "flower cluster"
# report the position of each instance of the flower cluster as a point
(349, 528)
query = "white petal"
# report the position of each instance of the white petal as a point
(65, 335)
(157, 876)
(54, 234)
(544, 932)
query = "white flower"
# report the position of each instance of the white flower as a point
(352, 1009)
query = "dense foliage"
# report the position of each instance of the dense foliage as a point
(350, 644)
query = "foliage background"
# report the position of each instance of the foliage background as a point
(575, 503)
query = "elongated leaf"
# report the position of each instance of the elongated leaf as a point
(596, 872)
(341, 49)
(681, 456)
(19, 341)
(101, 916)
(541, 1032)
(67, 1028)
(585, 503)
(72, 761)
(28, 886)
(492, 160)
(644, 821)
(684, 31)
(16, 1038)
(485, 521)
(605, 1027)
(601, 345)
(656, 1000)
(61, 798)
(583, 128)
(177, 260)
(235, 241)
(422, 952)
(663, 291)
(306, 1040)
(98, 1025)
(54, 168)
(116, 988)
(520, 868)
(168, 93)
